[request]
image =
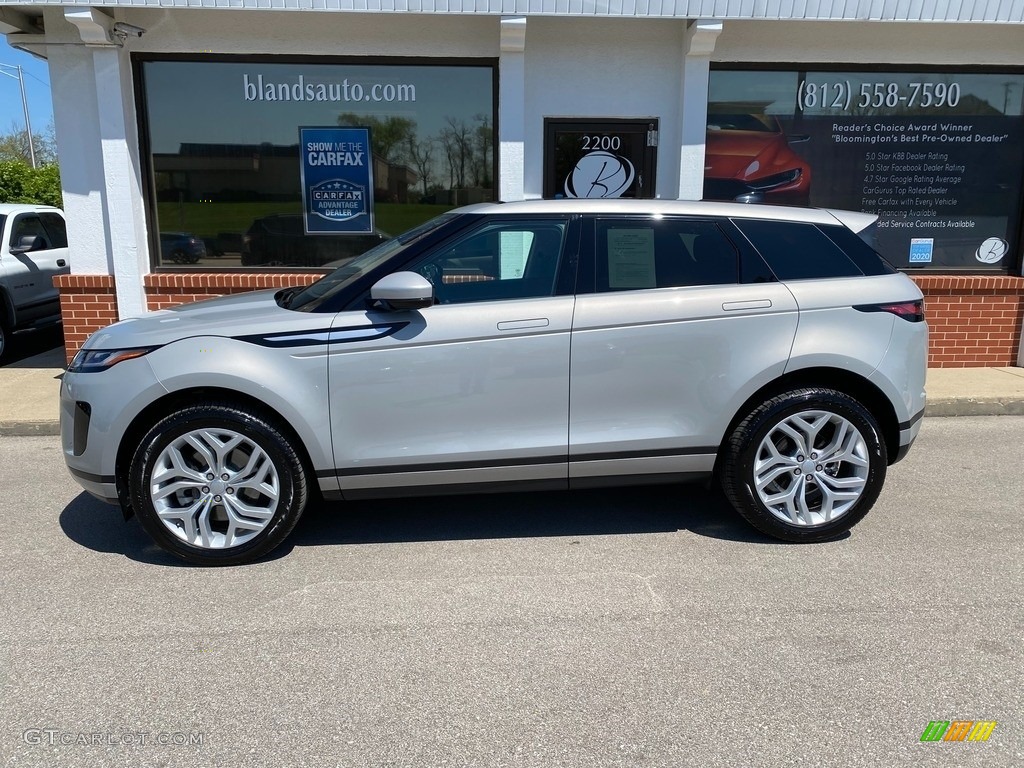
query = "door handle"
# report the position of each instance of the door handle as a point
(61, 262)
(515, 325)
(733, 306)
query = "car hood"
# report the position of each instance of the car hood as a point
(728, 154)
(238, 315)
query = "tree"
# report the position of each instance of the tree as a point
(14, 146)
(457, 140)
(484, 140)
(421, 157)
(21, 183)
(387, 134)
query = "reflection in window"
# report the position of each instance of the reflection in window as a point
(508, 260)
(230, 188)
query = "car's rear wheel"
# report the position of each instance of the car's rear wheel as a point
(216, 484)
(806, 465)
(4, 335)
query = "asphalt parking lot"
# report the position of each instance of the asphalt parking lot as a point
(637, 627)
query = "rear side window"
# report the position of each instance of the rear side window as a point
(798, 251)
(635, 254)
(56, 229)
(860, 252)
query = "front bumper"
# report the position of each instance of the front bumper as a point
(96, 410)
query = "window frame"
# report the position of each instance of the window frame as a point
(138, 59)
(748, 261)
(1015, 265)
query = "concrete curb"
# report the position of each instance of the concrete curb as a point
(29, 428)
(975, 407)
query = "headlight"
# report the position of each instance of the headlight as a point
(779, 179)
(96, 360)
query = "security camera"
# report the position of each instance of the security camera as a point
(123, 30)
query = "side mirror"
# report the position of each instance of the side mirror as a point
(28, 243)
(403, 290)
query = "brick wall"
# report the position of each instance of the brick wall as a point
(169, 289)
(975, 320)
(87, 303)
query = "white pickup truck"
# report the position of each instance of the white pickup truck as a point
(33, 248)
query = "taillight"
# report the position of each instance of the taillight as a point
(911, 311)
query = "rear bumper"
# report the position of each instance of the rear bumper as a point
(908, 434)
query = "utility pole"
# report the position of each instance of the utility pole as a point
(24, 105)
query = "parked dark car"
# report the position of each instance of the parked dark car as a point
(182, 247)
(280, 240)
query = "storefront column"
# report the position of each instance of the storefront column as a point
(511, 109)
(698, 45)
(110, 164)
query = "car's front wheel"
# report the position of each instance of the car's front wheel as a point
(806, 465)
(216, 484)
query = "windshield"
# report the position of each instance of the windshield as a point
(350, 272)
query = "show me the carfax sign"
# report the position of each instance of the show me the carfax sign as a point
(337, 180)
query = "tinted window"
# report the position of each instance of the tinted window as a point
(501, 260)
(28, 225)
(663, 253)
(56, 229)
(860, 252)
(797, 251)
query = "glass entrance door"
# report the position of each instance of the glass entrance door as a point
(600, 158)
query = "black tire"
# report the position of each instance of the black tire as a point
(5, 336)
(741, 454)
(256, 430)
(178, 256)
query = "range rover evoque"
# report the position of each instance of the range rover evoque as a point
(531, 345)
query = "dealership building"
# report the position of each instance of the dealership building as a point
(185, 175)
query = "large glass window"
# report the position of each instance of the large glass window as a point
(225, 163)
(939, 156)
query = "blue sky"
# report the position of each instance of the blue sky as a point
(37, 87)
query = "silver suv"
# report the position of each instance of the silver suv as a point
(534, 345)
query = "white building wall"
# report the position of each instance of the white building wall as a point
(597, 68)
(315, 34)
(871, 43)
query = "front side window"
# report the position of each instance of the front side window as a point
(498, 261)
(29, 225)
(663, 253)
(236, 191)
